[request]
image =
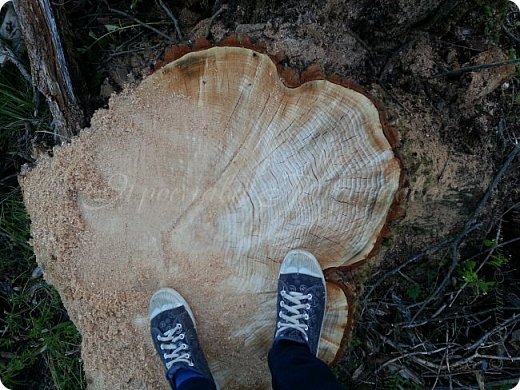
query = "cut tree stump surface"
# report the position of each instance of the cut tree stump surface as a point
(201, 179)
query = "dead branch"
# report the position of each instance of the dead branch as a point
(42, 24)
(511, 35)
(469, 226)
(172, 17)
(207, 28)
(409, 354)
(429, 251)
(476, 68)
(512, 320)
(407, 325)
(477, 387)
(145, 25)
(465, 284)
(459, 354)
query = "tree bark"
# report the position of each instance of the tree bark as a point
(53, 68)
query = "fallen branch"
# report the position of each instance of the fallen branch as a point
(429, 251)
(512, 320)
(53, 68)
(172, 17)
(511, 35)
(145, 25)
(469, 226)
(414, 347)
(476, 68)
(477, 387)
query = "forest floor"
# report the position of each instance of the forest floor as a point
(439, 305)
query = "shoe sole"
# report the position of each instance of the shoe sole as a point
(314, 270)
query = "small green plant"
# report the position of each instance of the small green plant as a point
(489, 243)
(471, 278)
(414, 291)
(498, 261)
(36, 330)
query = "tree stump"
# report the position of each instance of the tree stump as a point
(201, 179)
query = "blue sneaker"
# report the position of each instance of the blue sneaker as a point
(174, 336)
(302, 298)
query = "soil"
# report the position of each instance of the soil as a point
(454, 129)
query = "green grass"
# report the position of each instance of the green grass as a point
(39, 345)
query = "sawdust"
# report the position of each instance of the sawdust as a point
(100, 302)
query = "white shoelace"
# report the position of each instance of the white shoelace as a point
(293, 321)
(175, 346)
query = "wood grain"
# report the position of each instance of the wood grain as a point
(201, 179)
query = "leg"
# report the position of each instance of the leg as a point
(172, 327)
(195, 384)
(302, 298)
(293, 366)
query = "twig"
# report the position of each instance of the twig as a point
(477, 355)
(505, 243)
(437, 376)
(139, 49)
(63, 137)
(409, 354)
(469, 226)
(511, 35)
(494, 357)
(488, 256)
(432, 249)
(215, 15)
(172, 17)
(457, 72)
(424, 363)
(497, 179)
(392, 95)
(517, 204)
(122, 13)
(407, 325)
(5, 179)
(212, 19)
(489, 384)
(514, 318)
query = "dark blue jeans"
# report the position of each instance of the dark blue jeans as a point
(293, 367)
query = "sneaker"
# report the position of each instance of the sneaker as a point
(301, 300)
(174, 336)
